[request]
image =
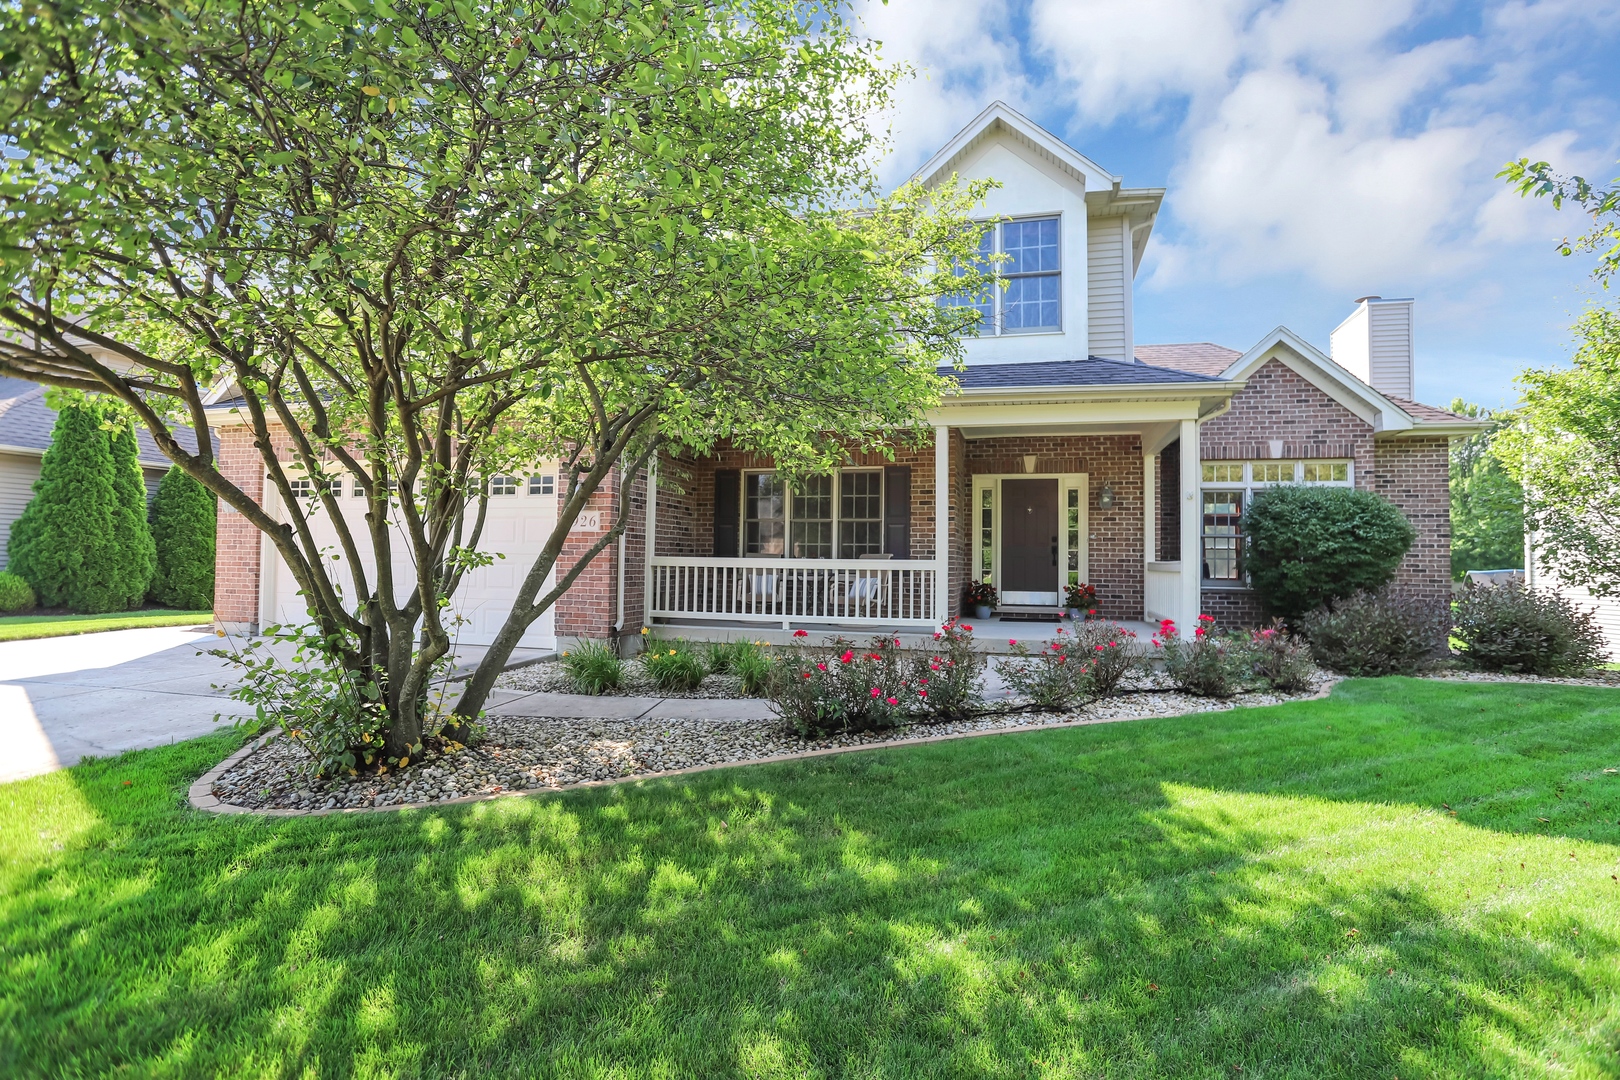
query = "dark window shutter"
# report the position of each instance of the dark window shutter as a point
(1170, 502)
(897, 511)
(727, 512)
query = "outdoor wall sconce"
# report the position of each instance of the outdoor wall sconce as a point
(1029, 463)
(1105, 497)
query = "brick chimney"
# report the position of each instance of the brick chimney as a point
(1375, 344)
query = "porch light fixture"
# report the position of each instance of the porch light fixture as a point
(1029, 462)
(1105, 497)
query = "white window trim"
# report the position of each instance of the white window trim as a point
(998, 276)
(787, 510)
(1248, 486)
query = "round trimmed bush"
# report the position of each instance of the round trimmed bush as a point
(1306, 547)
(1514, 629)
(15, 594)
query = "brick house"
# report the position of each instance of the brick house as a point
(1067, 454)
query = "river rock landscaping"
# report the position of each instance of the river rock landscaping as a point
(524, 753)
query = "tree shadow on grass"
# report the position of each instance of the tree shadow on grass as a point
(1221, 892)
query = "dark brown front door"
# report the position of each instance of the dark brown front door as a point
(1029, 541)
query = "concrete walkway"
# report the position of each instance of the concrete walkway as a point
(66, 698)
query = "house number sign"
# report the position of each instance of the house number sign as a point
(588, 521)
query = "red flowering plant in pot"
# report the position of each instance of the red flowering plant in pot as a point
(1080, 601)
(979, 597)
(837, 687)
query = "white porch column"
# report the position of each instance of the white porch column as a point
(942, 522)
(1150, 508)
(651, 546)
(1192, 551)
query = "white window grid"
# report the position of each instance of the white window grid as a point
(813, 523)
(543, 484)
(502, 484)
(1227, 488)
(1006, 281)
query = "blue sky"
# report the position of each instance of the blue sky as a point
(1314, 152)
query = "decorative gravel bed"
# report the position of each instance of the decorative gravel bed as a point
(549, 676)
(1591, 678)
(521, 753)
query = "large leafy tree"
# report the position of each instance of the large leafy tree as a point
(1487, 504)
(419, 243)
(1564, 446)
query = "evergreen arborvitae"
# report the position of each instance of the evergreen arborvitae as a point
(137, 556)
(183, 527)
(65, 542)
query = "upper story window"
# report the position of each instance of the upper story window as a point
(1027, 296)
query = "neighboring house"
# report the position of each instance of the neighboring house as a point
(1605, 609)
(1070, 454)
(26, 423)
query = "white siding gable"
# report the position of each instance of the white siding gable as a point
(17, 476)
(1030, 188)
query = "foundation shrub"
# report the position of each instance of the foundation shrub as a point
(1055, 678)
(1282, 660)
(838, 687)
(16, 595)
(1212, 664)
(1513, 629)
(1107, 649)
(593, 667)
(947, 679)
(1305, 547)
(674, 666)
(1376, 633)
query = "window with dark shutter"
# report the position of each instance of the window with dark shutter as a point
(727, 512)
(897, 511)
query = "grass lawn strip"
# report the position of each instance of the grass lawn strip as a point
(1411, 878)
(22, 627)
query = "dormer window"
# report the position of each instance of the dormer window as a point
(1027, 295)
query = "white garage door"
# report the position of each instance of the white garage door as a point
(515, 530)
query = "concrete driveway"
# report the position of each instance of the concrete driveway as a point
(64, 698)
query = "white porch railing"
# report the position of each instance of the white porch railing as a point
(856, 591)
(1161, 590)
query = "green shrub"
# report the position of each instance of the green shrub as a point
(183, 529)
(947, 679)
(1282, 661)
(1212, 664)
(65, 543)
(1376, 634)
(752, 666)
(137, 555)
(1107, 649)
(1056, 678)
(594, 667)
(1514, 629)
(837, 688)
(717, 657)
(15, 594)
(1305, 547)
(673, 666)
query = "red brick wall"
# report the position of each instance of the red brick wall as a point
(1279, 404)
(1413, 474)
(236, 548)
(1115, 547)
(588, 608)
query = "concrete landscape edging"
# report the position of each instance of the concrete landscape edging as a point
(202, 795)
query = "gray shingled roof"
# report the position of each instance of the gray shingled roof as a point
(26, 423)
(1198, 357)
(1092, 371)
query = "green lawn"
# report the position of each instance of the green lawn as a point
(18, 627)
(1409, 879)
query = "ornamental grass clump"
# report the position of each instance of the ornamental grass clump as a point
(752, 666)
(838, 687)
(1055, 678)
(674, 666)
(1513, 629)
(1212, 664)
(1374, 634)
(1282, 661)
(593, 667)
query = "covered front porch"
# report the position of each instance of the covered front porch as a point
(1029, 490)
